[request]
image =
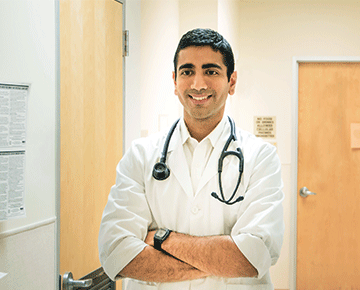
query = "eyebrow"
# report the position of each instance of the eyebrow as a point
(186, 65)
(204, 66)
(211, 65)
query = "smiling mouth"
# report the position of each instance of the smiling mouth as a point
(200, 98)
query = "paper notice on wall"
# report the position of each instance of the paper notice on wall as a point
(265, 127)
(13, 116)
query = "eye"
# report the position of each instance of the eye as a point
(211, 72)
(186, 72)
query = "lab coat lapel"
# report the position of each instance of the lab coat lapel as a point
(178, 164)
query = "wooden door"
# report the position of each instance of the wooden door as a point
(328, 229)
(91, 124)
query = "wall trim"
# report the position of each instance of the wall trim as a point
(294, 149)
(26, 228)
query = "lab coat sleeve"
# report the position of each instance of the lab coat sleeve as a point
(259, 230)
(126, 217)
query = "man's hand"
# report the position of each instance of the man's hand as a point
(156, 266)
(150, 238)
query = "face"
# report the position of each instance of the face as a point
(202, 84)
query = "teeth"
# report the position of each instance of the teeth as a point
(199, 99)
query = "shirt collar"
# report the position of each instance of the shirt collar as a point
(213, 136)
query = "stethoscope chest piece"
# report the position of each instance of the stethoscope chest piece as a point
(160, 171)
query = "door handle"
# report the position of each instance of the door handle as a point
(304, 192)
(69, 283)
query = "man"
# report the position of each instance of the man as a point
(175, 233)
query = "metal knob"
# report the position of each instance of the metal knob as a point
(304, 192)
(69, 283)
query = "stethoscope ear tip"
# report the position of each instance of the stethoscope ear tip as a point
(228, 202)
(240, 198)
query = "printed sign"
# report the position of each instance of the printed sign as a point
(13, 116)
(265, 127)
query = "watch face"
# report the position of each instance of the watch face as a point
(160, 233)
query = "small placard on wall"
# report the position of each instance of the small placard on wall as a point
(265, 127)
(355, 135)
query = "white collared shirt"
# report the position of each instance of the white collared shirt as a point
(198, 153)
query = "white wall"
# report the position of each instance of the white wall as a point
(159, 37)
(191, 15)
(163, 22)
(265, 36)
(27, 34)
(27, 55)
(133, 72)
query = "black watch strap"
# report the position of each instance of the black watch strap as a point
(160, 236)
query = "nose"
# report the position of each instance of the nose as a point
(199, 82)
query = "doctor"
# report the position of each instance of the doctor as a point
(173, 233)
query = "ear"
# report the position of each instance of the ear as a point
(232, 82)
(175, 85)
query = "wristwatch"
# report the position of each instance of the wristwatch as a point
(160, 236)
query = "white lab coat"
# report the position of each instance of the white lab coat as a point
(138, 202)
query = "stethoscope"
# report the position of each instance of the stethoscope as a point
(162, 172)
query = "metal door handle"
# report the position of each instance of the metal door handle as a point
(69, 283)
(304, 192)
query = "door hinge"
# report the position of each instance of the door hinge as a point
(126, 42)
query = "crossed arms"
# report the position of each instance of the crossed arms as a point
(188, 257)
(257, 231)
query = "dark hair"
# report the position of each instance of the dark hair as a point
(207, 37)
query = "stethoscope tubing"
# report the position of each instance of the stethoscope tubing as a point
(223, 155)
(167, 141)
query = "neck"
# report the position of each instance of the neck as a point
(199, 129)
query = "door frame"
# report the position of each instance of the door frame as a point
(294, 149)
(57, 130)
